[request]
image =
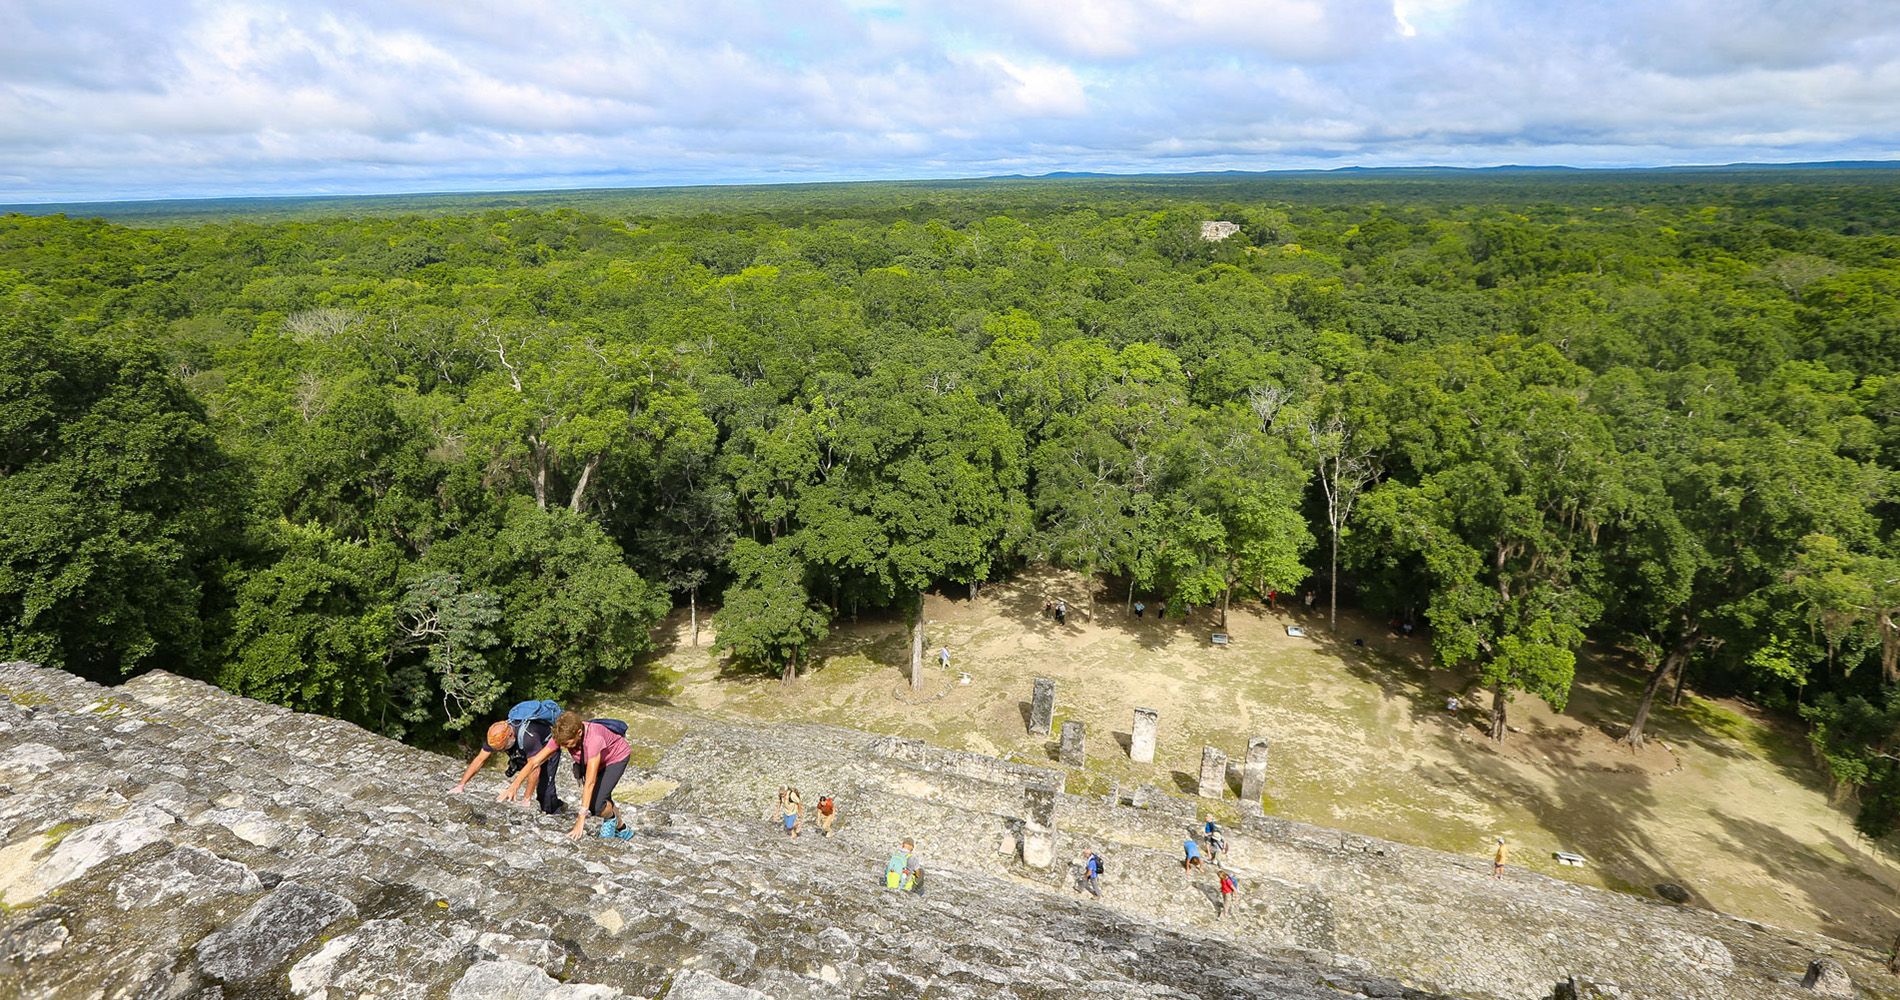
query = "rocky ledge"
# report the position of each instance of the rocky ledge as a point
(163, 839)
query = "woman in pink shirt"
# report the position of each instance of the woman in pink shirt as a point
(600, 757)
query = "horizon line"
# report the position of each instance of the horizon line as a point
(1873, 166)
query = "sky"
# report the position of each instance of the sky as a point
(132, 99)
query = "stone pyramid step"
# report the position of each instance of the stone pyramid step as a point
(143, 858)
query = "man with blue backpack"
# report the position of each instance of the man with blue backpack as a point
(526, 731)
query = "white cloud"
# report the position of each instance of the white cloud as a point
(102, 99)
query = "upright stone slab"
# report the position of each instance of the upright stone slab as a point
(1039, 826)
(1253, 776)
(1213, 773)
(1042, 707)
(1072, 752)
(917, 658)
(1141, 740)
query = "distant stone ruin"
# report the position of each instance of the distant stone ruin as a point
(166, 840)
(1214, 232)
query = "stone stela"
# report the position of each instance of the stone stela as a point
(1042, 707)
(1213, 773)
(1141, 738)
(1039, 826)
(1072, 752)
(1253, 776)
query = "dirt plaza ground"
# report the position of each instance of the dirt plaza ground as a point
(1722, 801)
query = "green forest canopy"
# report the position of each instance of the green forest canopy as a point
(401, 470)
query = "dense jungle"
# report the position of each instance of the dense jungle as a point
(403, 462)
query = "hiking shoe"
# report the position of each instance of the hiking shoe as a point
(626, 833)
(607, 829)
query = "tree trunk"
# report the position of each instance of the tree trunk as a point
(917, 646)
(791, 667)
(692, 602)
(1332, 602)
(1226, 596)
(1090, 581)
(1500, 697)
(540, 477)
(1676, 699)
(574, 504)
(1674, 661)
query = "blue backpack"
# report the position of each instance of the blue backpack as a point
(532, 711)
(518, 717)
(618, 727)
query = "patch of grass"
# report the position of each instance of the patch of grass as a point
(1713, 719)
(1084, 782)
(646, 792)
(24, 699)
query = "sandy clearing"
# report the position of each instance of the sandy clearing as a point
(1723, 802)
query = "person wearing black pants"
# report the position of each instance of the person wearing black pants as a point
(521, 746)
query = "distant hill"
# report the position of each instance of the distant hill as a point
(952, 198)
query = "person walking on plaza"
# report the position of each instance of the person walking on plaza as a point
(1227, 888)
(1497, 861)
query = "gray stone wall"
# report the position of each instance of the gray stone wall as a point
(164, 839)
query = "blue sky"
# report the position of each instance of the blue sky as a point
(104, 99)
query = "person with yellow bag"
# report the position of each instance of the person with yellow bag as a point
(904, 872)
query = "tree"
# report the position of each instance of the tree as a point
(453, 629)
(574, 614)
(556, 406)
(1516, 482)
(768, 617)
(311, 628)
(1852, 598)
(1231, 511)
(115, 505)
(1342, 438)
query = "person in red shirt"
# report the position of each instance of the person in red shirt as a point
(1227, 888)
(827, 809)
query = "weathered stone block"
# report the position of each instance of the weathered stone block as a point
(695, 985)
(1039, 826)
(1073, 752)
(1826, 978)
(187, 874)
(1253, 776)
(1213, 774)
(501, 980)
(86, 849)
(386, 958)
(1141, 739)
(1042, 707)
(262, 937)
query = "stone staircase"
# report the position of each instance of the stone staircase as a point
(164, 839)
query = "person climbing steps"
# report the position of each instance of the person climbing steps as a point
(600, 752)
